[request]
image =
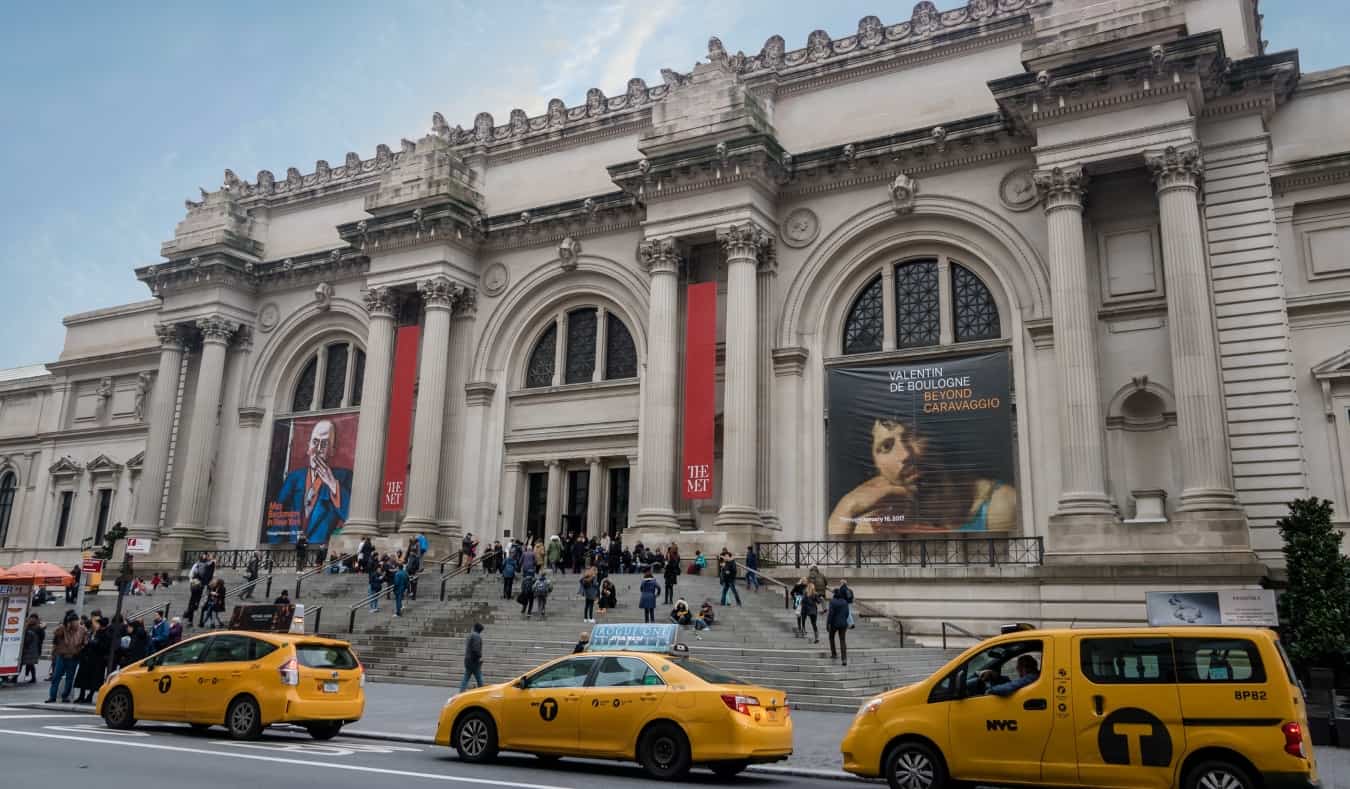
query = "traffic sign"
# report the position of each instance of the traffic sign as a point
(138, 545)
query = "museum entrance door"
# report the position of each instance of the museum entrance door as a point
(536, 506)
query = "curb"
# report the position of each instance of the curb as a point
(56, 706)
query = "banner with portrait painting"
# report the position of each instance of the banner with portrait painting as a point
(309, 478)
(921, 447)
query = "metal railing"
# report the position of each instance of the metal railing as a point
(300, 579)
(462, 568)
(906, 552)
(237, 558)
(869, 610)
(141, 614)
(957, 629)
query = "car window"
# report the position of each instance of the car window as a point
(186, 652)
(328, 656)
(228, 649)
(1001, 661)
(619, 672)
(707, 672)
(567, 674)
(1202, 660)
(262, 649)
(1127, 661)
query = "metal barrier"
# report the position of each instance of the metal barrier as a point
(870, 610)
(906, 552)
(237, 558)
(152, 609)
(957, 629)
(300, 579)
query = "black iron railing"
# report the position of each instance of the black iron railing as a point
(908, 552)
(272, 558)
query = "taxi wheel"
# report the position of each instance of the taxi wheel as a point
(324, 731)
(1218, 775)
(476, 737)
(664, 751)
(913, 765)
(118, 710)
(244, 719)
(727, 769)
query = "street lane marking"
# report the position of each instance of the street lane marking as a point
(96, 728)
(254, 757)
(320, 749)
(46, 715)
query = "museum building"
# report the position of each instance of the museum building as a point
(1050, 269)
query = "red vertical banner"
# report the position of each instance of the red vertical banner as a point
(700, 361)
(400, 420)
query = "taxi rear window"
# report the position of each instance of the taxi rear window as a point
(325, 656)
(1203, 660)
(706, 672)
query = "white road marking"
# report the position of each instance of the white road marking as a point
(321, 749)
(46, 715)
(282, 760)
(97, 728)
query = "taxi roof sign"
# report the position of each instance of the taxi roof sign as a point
(634, 638)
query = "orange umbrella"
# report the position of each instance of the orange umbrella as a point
(37, 574)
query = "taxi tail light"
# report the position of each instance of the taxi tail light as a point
(787, 708)
(290, 672)
(1293, 739)
(361, 668)
(741, 704)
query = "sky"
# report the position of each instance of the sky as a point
(112, 113)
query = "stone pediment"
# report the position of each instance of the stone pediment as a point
(137, 460)
(1337, 366)
(103, 465)
(66, 467)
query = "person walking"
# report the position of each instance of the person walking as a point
(671, 574)
(508, 576)
(67, 642)
(751, 569)
(540, 554)
(473, 657)
(528, 564)
(414, 566)
(818, 578)
(175, 632)
(542, 587)
(93, 661)
(728, 576)
(400, 588)
(526, 598)
(837, 623)
(810, 609)
(251, 575)
(554, 553)
(159, 632)
(590, 592)
(647, 596)
(375, 582)
(215, 603)
(195, 589)
(365, 551)
(34, 633)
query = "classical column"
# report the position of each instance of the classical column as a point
(659, 385)
(201, 447)
(374, 421)
(601, 342)
(159, 419)
(743, 244)
(594, 488)
(510, 500)
(553, 506)
(1206, 471)
(1082, 474)
(438, 296)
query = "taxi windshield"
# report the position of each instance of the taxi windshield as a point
(706, 672)
(325, 656)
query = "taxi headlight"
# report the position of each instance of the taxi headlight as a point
(870, 706)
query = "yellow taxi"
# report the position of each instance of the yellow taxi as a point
(243, 680)
(1189, 707)
(633, 695)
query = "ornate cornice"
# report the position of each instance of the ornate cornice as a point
(1061, 187)
(379, 302)
(251, 274)
(479, 393)
(216, 329)
(556, 222)
(746, 241)
(659, 255)
(756, 158)
(1176, 168)
(1309, 173)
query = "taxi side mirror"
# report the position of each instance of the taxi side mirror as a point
(149, 664)
(518, 684)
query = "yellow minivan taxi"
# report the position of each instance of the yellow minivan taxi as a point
(243, 680)
(1189, 707)
(668, 712)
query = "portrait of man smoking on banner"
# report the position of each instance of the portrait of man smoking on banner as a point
(921, 447)
(309, 484)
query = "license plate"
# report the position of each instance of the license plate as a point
(773, 714)
(330, 687)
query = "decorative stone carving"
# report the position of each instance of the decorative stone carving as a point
(673, 79)
(105, 389)
(216, 329)
(520, 123)
(169, 335)
(232, 182)
(466, 302)
(353, 163)
(269, 315)
(557, 113)
(294, 180)
(143, 381)
(322, 172)
(438, 292)
(267, 183)
(744, 240)
(870, 32)
(818, 45)
(659, 255)
(1061, 187)
(482, 128)
(495, 279)
(323, 296)
(1176, 167)
(904, 192)
(637, 91)
(439, 127)
(940, 138)
(925, 20)
(379, 301)
(596, 103)
(568, 251)
(772, 53)
(800, 228)
(1017, 190)
(384, 158)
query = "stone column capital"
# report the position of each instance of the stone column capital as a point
(379, 302)
(1176, 167)
(216, 329)
(659, 255)
(746, 241)
(170, 336)
(1061, 187)
(440, 293)
(553, 463)
(592, 461)
(632, 460)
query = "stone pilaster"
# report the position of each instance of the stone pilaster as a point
(438, 297)
(659, 385)
(201, 449)
(744, 245)
(365, 506)
(159, 418)
(1082, 472)
(553, 507)
(1207, 476)
(594, 494)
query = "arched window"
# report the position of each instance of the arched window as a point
(929, 310)
(594, 339)
(331, 378)
(9, 485)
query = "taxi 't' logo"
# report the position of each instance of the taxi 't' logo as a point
(165, 682)
(548, 709)
(1130, 735)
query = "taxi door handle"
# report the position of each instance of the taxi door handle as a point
(573, 698)
(235, 675)
(1034, 704)
(1097, 703)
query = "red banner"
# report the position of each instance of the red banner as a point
(700, 361)
(400, 420)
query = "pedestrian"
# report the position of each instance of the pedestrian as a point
(196, 587)
(700, 563)
(590, 592)
(647, 596)
(508, 576)
(554, 553)
(375, 579)
(175, 632)
(422, 544)
(540, 555)
(134, 646)
(836, 621)
(154, 583)
(251, 575)
(728, 576)
(526, 597)
(400, 588)
(672, 575)
(818, 578)
(364, 551)
(527, 563)
(414, 568)
(466, 549)
(473, 657)
(67, 642)
(390, 566)
(73, 591)
(301, 547)
(808, 611)
(208, 568)
(582, 642)
(215, 603)
(751, 569)
(609, 596)
(34, 633)
(159, 632)
(797, 593)
(93, 661)
(542, 587)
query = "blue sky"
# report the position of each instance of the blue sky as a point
(113, 113)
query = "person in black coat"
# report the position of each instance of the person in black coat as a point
(837, 622)
(134, 646)
(672, 575)
(93, 661)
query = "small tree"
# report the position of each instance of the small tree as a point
(1316, 606)
(110, 538)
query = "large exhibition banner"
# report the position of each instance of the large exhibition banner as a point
(700, 392)
(921, 446)
(394, 481)
(309, 477)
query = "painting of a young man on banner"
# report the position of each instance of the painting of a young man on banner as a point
(309, 483)
(921, 447)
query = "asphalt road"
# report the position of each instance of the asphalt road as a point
(42, 749)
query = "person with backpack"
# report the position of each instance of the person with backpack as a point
(508, 576)
(375, 578)
(400, 588)
(590, 592)
(542, 587)
(672, 575)
(526, 597)
(728, 577)
(836, 621)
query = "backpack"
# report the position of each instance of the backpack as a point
(542, 586)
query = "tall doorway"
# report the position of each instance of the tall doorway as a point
(617, 518)
(536, 506)
(578, 500)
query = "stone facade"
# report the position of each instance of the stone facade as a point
(1157, 207)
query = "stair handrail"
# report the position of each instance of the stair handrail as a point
(787, 590)
(141, 614)
(957, 628)
(299, 579)
(463, 568)
(235, 590)
(871, 610)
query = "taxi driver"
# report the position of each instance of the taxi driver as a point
(1027, 673)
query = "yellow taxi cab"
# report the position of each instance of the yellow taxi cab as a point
(243, 680)
(636, 695)
(1189, 707)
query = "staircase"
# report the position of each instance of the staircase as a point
(755, 642)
